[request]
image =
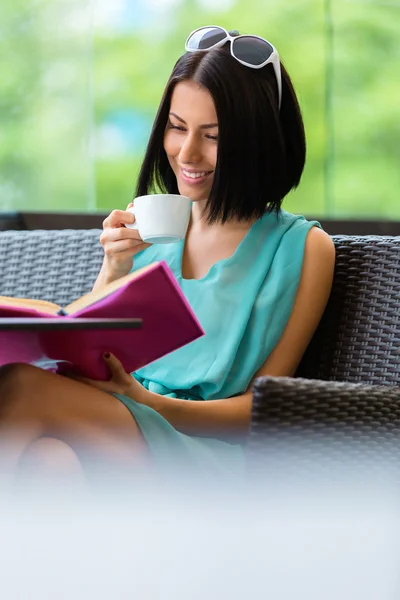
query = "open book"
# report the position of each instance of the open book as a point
(151, 294)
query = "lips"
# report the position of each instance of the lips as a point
(194, 177)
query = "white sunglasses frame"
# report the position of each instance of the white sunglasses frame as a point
(272, 59)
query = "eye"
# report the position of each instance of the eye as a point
(171, 126)
(214, 138)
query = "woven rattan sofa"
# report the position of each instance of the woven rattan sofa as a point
(350, 375)
(345, 399)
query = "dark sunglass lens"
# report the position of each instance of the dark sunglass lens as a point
(252, 50)
(205, 38)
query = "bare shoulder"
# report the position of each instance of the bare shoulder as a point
(319, 246)
(310, 302)
(318, 260)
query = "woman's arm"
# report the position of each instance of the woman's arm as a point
(212, 418)
(232, 415)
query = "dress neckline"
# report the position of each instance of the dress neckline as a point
(223, 262)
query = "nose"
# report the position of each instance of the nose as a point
(190, 151)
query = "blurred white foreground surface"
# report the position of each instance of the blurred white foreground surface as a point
(179, 545)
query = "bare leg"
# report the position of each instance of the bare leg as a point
(35, 403)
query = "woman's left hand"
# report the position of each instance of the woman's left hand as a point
(121, 382)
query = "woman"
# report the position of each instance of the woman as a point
(229, 135)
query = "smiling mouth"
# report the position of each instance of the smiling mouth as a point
(195, 176)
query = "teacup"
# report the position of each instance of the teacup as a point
(161, 218)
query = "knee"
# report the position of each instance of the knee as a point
(15, 374)
(52, 453)
(16, 379)
(50, 461)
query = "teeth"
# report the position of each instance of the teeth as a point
(194, 175)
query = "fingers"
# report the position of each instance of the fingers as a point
(120, 244)
(121, 233)
(127, 248)
(119, 377)
(114, 364)
(118, 218)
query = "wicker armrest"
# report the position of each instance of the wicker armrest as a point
(310, 422)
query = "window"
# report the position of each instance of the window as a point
(81, 80)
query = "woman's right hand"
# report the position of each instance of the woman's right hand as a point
(120, 244)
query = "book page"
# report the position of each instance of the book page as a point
(109, 288)
(42, 305)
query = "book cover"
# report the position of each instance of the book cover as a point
(151, 294)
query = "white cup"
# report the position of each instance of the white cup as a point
(161, 218)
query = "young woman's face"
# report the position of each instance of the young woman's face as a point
(191, 139)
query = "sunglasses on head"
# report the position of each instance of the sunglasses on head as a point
(250, 50)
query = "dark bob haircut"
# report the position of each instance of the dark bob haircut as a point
(261, 149)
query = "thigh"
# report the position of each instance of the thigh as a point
(54, 405)
(30, 391)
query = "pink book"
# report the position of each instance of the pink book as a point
(151, 294)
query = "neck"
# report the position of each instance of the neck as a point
(199, 220)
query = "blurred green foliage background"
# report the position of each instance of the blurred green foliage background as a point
(80, 82)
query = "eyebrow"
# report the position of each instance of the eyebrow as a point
(206, 126)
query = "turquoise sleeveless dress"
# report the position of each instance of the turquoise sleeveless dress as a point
(243, 304)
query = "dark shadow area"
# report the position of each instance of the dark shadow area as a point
(38, 220)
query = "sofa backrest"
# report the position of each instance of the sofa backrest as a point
(358, 339)
(58, 266)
